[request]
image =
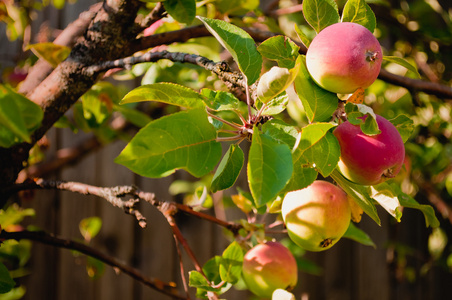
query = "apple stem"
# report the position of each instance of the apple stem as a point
(371, 56)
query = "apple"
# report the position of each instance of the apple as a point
(370, 160)
(344, 57)
(267, 267)
(317, 216)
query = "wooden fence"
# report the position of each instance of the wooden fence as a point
(350, 270)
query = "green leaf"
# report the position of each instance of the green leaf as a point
(231, 263)
(324, 155)
(165, 92)
(355, 112)
(404, 63)
(404, 125)
(212, 271)
(281, 132)
(358, 11)
(183, 11)
(303, 36)
(320, 13)
(359, 193)
(239, 44)
(275, 106)
(269, 167)
(198, 281)
(387, 198)
(19, 117)
(14, 214)
(319, 104)
(358, 235)
(229, 169)
(220, 100)
(312, 133)
(182, 140)
(409, 202)
(6, 282)
(280, 49)
(90, 227)
(54, 54)
(276, 81)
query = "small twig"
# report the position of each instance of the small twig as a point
(45, 238)
(181, 266)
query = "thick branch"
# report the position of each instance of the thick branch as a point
(42, 237)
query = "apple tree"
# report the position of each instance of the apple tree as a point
(327, 113)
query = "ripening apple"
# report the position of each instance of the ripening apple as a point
(317, 216)
(370, 160)
(344, 57)
(267, 267)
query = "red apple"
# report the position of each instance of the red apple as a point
(317, 216)
(269, 266)
(344, 57)
(370, 160)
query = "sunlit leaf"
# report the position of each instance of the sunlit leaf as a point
(220, 100)
(239, 44)
(358, 11)
(404, 63)
(280, 49)
(231, 263)
(387, 198)
(269, 167)
(165, 92)
(319, 104)
(320, 13)
(183, 140)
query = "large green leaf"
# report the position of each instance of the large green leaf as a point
(228, 169)
(359, 193)
(269, 167)
(358, 11)
(280, 49)
(404, 63)
(182, 140)
(183, 11)
(239, 44)
(320, 13)
(319, 104)
(165, 92)
(231, 263)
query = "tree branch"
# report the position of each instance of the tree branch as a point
(114, 196)
(42, 237)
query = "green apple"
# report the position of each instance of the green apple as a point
(268, 267)
(317, 216)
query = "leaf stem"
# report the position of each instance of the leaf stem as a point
(234, 125)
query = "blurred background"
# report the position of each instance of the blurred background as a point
(409, 260)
